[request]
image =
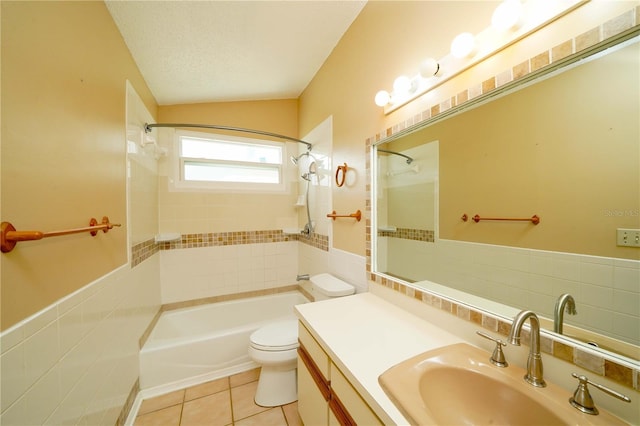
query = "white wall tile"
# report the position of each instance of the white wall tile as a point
(43, 397)
(11, 338)
(41, 352)
(15, 415)
(596, 273)
(627, 279)
(13, 380)
(86, 344)
(526, 278)
(566, 267)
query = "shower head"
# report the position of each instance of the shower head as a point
(295, 160)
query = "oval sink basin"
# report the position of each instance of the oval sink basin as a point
(471, 399)
(457, 385)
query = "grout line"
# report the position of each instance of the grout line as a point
(233, 417)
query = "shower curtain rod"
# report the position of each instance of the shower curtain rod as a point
(409, 159)
(149, 126)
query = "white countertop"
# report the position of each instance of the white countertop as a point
(365, 335)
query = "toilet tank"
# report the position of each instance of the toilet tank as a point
(326, 286)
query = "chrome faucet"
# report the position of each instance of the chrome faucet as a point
(302, 277)
(534, 374)
(565, 300)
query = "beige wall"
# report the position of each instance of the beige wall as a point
(374, 51)
(387, 39)
(64, 72)
(203, 212)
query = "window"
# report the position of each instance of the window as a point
(223, 162)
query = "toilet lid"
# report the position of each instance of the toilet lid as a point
(277, 336)
(331, 286)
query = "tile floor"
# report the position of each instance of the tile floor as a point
(226, 401)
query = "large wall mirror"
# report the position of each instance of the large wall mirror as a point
(564, 146)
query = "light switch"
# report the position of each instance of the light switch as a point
(628, 237)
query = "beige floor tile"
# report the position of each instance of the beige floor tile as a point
(162, 401)
(209, 410)
(271, 417)
(165, 417)
(244, 377)
(291, 413)
(207, 388)
(242, 401)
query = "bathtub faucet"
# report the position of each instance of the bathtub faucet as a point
(302, 277)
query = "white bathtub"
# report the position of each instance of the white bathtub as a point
(209, 341)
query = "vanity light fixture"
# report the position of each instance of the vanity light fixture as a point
(429, 68)
(402, 85)
(404, 88)
(382, 98)
(507, 16)
(511, 21)
(463, 45)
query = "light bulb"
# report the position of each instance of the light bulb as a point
(402, 85)
(382, 98)
(507, 15)
(429, 67)
(463, 45)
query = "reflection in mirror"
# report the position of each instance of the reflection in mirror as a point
(564, 147)
(406, 208)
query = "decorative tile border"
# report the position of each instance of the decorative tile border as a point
(409, 234)
(142, 251)
(213, 239)
(600, 365)
(318, 241)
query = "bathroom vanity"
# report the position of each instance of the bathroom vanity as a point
(353, 340)
(346, 344)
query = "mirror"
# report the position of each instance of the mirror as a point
(564, 147)
(406, 205)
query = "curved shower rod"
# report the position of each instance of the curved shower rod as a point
(149, 126)
(409, 159)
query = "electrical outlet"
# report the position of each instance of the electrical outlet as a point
(628, 237)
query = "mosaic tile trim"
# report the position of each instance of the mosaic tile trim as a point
(213, 239)
(599, 365)
(318, 241)
(142, 251)
(409, 234)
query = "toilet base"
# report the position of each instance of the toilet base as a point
(276, 387)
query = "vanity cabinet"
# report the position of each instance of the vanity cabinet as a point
(325, 396)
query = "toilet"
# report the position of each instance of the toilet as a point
(274, 347)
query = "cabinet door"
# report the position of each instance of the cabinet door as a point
(357, 411)
(312, 405)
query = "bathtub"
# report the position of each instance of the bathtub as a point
(200, 343)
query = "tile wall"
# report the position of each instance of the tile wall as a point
(76, 361)
(195, 273)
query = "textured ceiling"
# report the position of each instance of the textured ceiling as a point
(212, 51)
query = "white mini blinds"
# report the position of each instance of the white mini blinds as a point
(214, 158)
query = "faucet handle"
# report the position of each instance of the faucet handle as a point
(497, 358)
(582, 400)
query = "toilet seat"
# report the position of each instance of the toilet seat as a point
(277, 336)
